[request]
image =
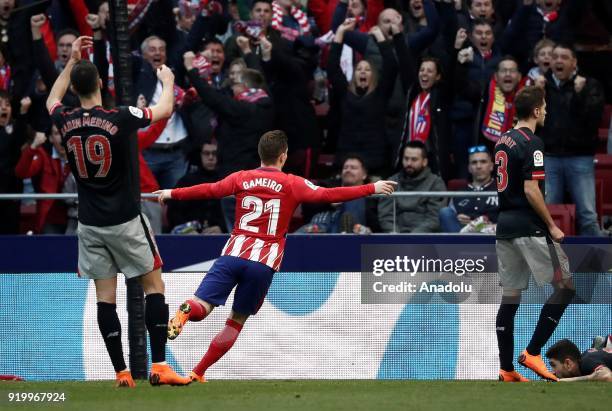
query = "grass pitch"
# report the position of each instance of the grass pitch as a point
(268, 395)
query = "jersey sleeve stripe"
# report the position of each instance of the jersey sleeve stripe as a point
(538, 175)
(148, 114)
(54, 107)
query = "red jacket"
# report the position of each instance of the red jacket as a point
(48, 177)
(146, 137)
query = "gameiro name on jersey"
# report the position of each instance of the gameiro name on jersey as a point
(265, 201)
(519, 156)
(102, 150)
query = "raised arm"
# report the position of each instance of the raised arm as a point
(40, 54)
(424, 38)
(165, 104)
(334, 72)
(407, 66)
(389, 64)
(58, 91)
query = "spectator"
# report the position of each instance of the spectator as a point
(574, 106)
(413, 214)
(551, 19)
(234, 72)
(429, 100)
(418, 40)
(205, 214)
(167, 156)
(480, 10)
(542, 57)
(363, 102)
(356, 216)
(482, 210)
(476, 64)
(242, 118)
(48, 69)
(12, 136)
(289, 74)
(16, 42)
(48, 170)
(261, 16)
(495, 107)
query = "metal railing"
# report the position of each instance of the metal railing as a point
(397, 194)
(419, 194)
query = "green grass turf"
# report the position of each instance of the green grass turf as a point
(268, 395)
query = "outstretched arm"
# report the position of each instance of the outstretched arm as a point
(58, 91)
(205, 191)
(600, 374)
(306, 192)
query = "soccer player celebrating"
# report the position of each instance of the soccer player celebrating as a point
(595, 364)
(103, 153)
(265, 201)
(527, 238)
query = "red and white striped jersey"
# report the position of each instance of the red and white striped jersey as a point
(265, 201)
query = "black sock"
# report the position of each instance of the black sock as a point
(504, 328)
(156, 318)
(549, 319)
(110, 327)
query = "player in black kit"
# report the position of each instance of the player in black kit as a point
(527, 238)
(113, 234)
(595, 364)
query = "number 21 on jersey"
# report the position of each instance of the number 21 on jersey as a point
(501, 161)
(258, 207)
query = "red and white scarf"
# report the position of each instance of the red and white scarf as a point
(137, 15)
(277, 21)
(420, 117)
(252, 95)
(499, 116)
(204, 67)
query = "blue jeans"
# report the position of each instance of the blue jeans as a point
(448, 221)
(575, 174)
(167, 166)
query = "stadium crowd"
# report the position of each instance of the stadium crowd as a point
(417, 91)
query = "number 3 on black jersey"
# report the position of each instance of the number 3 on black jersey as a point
(97, 151)
(501, 161)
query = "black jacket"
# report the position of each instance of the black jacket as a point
(241, 124)
(572, 119)
(439, 140)
(362, 129)
(289, 77)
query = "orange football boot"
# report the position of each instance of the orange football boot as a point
(511, 376)
(176, 324)
(536, 364)
(196, 378)
(124, 379)
(162, 374)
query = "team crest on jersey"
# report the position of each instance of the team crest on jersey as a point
(538, 158)
(311, 185)
(136, 112)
